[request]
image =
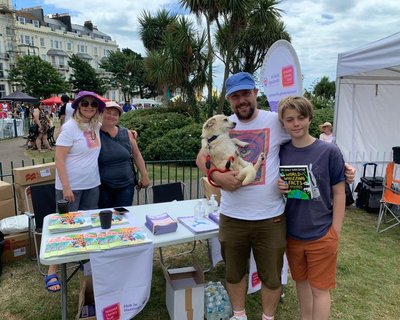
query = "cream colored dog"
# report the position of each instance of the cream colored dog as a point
(223, 150)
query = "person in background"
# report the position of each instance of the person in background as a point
(118, 149)
(326, 129)
(66, 109)
(42, 122)
(77, 171)
(313, 226)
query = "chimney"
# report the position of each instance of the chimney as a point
(89, 25)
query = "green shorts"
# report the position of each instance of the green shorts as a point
(266, 237)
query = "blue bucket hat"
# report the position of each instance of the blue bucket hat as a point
(84, 94)
(239, 81)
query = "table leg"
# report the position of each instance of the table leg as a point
(64, 291)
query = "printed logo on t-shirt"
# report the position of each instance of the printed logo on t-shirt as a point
(258, 141)
(92, 140)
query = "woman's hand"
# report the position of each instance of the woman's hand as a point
(283, 186)
(68, 194)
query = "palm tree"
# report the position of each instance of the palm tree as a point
(175, 60)
(210, 10)
(238, 18)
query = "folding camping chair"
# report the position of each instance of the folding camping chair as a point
(166, 192)
(43, 199)
(389, 212)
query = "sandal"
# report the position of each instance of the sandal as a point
(49, 284)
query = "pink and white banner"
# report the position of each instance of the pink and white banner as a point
(281, 73)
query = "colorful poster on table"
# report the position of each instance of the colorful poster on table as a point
(281, 73)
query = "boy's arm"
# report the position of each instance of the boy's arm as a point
(339, 204)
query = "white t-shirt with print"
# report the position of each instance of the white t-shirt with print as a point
(261, 199)
(81, 161)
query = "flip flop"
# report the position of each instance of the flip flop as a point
(49, 283)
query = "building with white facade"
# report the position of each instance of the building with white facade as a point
(53, 38)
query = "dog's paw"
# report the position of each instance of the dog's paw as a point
(262, 156)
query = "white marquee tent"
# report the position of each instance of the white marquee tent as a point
(367, 112)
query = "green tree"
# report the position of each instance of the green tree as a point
(84, 76)
(210, 10)
(176, 60)
(245, 23)
(37, 77)
(127, 74)
(325, 88)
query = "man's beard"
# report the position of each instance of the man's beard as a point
(247, 116)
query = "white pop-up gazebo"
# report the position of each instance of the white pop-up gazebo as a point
(367, 111)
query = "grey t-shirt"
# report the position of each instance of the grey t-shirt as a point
(115, 159)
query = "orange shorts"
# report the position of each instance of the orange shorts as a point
(314, 261)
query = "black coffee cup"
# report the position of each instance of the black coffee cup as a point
(105, 219)
(62, 206)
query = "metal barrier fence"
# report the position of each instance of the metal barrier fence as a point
(159, 172)
(11, 128)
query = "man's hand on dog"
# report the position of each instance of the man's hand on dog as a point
(227, 180)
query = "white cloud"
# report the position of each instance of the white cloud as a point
(320, 29)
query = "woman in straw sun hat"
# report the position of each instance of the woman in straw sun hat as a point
(326, 129)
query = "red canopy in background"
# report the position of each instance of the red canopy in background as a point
(52, 100)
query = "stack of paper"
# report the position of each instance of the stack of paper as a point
(198, 225)
(160, 224)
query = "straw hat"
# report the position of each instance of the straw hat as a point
(326, 124)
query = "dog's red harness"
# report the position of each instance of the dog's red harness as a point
(210, 171)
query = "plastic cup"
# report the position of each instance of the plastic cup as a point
(105, 219)
(62, 206)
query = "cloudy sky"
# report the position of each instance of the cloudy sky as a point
(320, 29)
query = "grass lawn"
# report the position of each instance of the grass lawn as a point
(368, 281)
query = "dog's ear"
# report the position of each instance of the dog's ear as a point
(210, 123)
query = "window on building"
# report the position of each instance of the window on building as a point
(27, 40)
(61, 61)
(52, 43)
(53, 60)
(2, 90)
(1, 71)
(95, 51)
(21, 20)
(36, 23)
(8, 31)
(69, 46)
(56, 44)
(44, 57)
(42, 43)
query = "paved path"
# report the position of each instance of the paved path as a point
(12, 150)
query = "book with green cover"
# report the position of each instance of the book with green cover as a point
(68, 222)
(116, 219)
(65, 245)
(126, 237)
(299, 181)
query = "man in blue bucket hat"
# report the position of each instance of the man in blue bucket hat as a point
(252, 217)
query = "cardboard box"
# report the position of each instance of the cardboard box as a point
(7, 208)
(16, 247)
(20, 195)
(34, 174)
(86, 308)
(185, 293)
(6, 192)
